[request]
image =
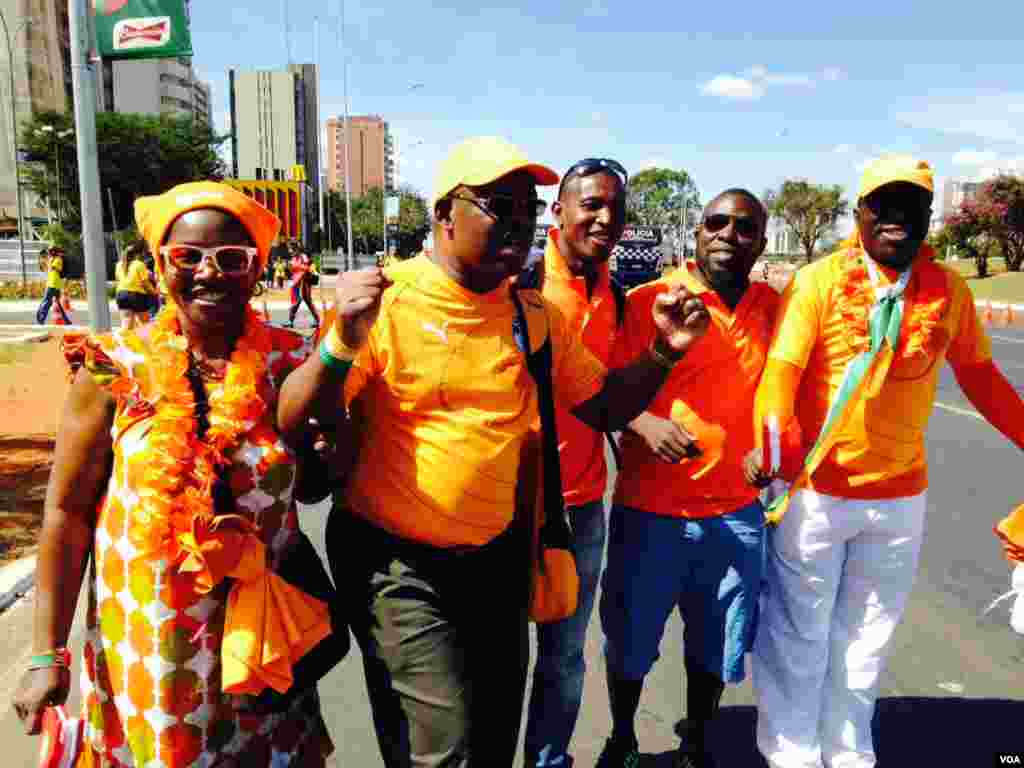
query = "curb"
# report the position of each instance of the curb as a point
(27, 338)
(22, 584)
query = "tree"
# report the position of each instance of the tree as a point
(138, 155)
(656, 197)
(368, 221)
(810, 210)
(968, 232)
(1000, 205)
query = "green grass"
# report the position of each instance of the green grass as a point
(999, 286)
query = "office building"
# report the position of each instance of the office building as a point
(955, 192)
(274, 130)
(42, 81)
(155, 87)
(371, 154)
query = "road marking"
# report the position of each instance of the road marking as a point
(959, 410)
(1007, 339)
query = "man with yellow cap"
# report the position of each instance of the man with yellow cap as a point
(855, 361)
(426, 357)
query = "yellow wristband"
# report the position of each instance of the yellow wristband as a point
(337, 348)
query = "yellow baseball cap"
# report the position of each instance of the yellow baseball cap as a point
(893, 168)
(483, 159)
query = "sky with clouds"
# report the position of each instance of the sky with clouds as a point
(740, 94)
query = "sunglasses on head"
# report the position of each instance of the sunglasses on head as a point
(506, 206)
(592, 165)
(746, 226)
(231, 260)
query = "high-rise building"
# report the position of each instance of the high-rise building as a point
(274, 127)
(955, 192)
(154, 87)
(371, 154)
(42, 81)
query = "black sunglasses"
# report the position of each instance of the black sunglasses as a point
(591, 165)
(746, 226)
(506, 206)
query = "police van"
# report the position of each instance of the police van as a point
(637, 257)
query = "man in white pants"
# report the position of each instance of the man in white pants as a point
(855, 360)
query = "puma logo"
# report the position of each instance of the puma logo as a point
(441, 333)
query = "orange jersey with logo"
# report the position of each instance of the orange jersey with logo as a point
(445, 402)
(593, 318)
(710, 392)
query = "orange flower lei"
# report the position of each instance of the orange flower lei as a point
(926, 301)
(176, 498)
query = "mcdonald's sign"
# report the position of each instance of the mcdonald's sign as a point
(281, 197)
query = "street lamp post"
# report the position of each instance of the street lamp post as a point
(14, 142)
(348, 173)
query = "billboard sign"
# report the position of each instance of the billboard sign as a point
(142, 29)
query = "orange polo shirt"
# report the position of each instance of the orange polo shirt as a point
(444, 402)
(593, 318)
(881, 453)
(716, 380)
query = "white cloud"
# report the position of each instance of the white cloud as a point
(974, 157)
(843, 149)
(989, 115)
(732, 87)
(754, 82)
(799, 80)
(831, 74)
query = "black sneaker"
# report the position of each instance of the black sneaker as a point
(618, 755)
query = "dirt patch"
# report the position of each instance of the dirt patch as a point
(33, 385)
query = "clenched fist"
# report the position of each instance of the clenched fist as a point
(680, 317)
(357, 296)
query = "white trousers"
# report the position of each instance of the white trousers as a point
(838, 575)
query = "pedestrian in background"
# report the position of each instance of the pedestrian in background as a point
(590, 215)
(135, 295)
(302, 270)
(54, 287)
(855, 361)
(425, 361)
(686, 529)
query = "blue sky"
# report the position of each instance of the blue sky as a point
(738, 94)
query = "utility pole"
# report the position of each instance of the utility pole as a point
(348, 158)
(84, 79)
(14, 145)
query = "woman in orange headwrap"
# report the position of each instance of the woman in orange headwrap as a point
(170, 473)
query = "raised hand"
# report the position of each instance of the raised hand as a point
(357, 295)
(680, 317)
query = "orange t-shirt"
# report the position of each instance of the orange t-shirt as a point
(881, 453)
(715, 381)
(444, 403)
(593, 318)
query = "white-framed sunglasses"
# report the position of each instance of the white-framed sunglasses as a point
(232, 260)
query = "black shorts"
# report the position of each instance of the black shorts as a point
(131, 301)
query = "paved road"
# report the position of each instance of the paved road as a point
(953, 693)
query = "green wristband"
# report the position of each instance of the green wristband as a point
(336, 364)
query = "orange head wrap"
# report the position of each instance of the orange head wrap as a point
(154, 215)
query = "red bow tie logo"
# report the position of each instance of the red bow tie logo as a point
(138, 33)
